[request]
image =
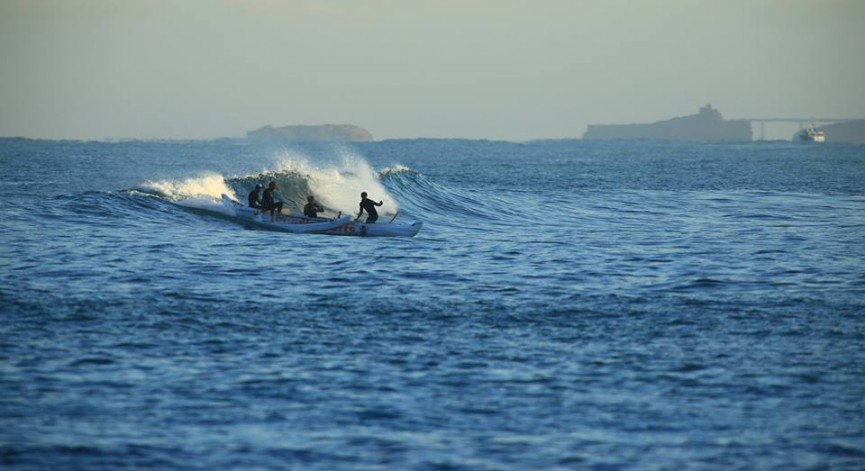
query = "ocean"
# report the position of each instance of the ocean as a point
(567, 305)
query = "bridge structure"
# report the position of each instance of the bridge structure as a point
(801, 122)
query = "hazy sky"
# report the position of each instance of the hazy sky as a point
(495, 69)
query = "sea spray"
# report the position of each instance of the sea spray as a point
(338, 186)
(208, 186)
(335, 184)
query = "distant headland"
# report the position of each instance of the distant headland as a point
(322, 132)
(707, 125)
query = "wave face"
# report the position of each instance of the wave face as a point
(337, 187)
(566, 304)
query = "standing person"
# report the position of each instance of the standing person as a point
(255, 197)
(311, 208)
(368, 205)
(268, 203)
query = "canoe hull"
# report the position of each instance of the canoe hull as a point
(296, 223)
(356, 228)
(261, 220)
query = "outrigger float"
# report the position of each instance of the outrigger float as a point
(299, 224)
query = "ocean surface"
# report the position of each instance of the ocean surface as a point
(567, 305)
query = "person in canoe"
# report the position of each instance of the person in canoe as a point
(311, 208)
(368, 205)
(269, 203)
(255, 197)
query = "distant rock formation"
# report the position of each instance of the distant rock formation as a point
(852, 132)
(708, 125)
(323, 132)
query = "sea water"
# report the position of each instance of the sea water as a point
(567, 305)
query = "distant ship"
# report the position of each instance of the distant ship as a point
(708, 125)
(812, 135)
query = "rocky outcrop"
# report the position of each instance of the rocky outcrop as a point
(323, 132)
(708, 125)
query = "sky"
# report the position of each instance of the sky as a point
(488, 69)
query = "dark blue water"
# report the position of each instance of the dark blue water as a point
(567, 305)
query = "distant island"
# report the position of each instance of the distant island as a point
(707, 125)
(322, 132)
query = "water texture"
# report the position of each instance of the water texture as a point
(567, 305)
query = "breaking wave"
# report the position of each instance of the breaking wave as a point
(336, 186)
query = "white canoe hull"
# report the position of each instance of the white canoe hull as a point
(360, 229)
(379, 229)
(297, 223)
(261, 219)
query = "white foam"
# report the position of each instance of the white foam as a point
(338, 186)
(207, 187)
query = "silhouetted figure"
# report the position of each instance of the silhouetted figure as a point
(268, 203)
(368, 205)
(311, 208)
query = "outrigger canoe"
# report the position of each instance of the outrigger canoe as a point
(342, 225)
(261, 219)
